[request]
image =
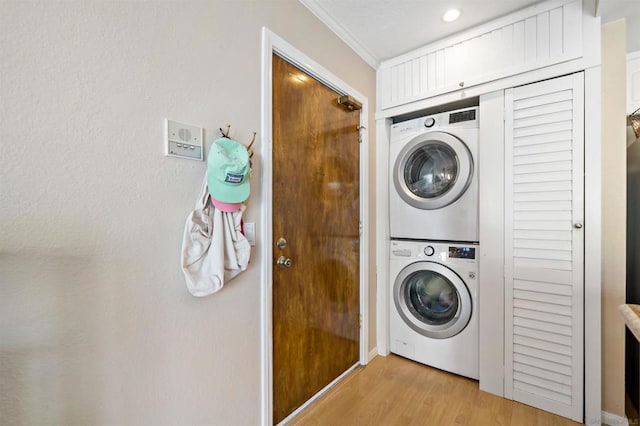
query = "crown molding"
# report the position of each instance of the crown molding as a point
(316, 9)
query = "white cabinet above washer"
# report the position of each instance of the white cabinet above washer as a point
(545, 34)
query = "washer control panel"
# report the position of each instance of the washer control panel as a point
(458, 252)
(401, 252)
(435, 251)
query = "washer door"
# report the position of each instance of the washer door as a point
(433, 170)
(432, 300)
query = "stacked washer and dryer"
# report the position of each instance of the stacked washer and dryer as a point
(434, 252)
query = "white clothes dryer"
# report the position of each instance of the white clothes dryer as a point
(433, 317)
(433, 169)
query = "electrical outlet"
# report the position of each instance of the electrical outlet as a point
(183, 140)
(250, 232)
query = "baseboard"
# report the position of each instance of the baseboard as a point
(372, 354)
(614, 420)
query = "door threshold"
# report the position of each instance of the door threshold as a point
(315, 397)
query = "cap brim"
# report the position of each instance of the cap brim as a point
(225, 207)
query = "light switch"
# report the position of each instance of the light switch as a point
(183, 140)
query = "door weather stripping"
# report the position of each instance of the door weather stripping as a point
(349, 103)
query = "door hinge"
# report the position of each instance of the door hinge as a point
(360, 321)
(360, 129)
(359, 228)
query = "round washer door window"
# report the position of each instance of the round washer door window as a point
(432, 300)
(433, 170)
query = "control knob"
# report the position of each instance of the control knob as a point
(429, 122)
(429, 250)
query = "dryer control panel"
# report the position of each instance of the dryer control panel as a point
(466, 115)
(466, 118)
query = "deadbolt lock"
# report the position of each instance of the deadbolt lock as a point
(284, 262)
(281, 243)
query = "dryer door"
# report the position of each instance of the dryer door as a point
(433, 170)
(432, 299)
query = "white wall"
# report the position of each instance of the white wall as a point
(97, 326)
(614, 211)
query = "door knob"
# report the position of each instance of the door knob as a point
(577, 225)
(284, 262)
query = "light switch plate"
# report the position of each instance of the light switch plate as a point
(183, 140)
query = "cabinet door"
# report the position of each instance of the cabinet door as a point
(540, 36)
(544, 240)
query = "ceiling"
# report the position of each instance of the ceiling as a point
(381, 29)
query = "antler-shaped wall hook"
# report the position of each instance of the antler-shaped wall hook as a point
(253, 139)
(225, 134)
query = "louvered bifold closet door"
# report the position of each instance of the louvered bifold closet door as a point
(544, 245)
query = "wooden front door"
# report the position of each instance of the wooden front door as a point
(316, 202)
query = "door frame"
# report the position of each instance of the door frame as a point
(272, 43)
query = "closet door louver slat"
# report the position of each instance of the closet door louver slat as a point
(544, 252)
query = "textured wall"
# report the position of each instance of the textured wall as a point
(97, 326)
(614, 212)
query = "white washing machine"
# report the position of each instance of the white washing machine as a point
(433, 317)
(433, 169)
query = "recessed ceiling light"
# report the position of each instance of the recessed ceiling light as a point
(451, 15)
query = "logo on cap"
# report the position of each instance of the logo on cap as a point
(233, 178)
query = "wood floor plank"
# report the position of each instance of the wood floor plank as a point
(392, 391)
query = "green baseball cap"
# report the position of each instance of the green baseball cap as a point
(228, 171)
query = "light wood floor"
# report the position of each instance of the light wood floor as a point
(395, 391)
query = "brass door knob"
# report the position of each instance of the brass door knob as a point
(284, 262)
